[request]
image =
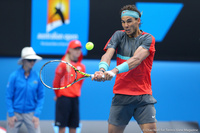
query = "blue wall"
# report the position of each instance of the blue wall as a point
(176, 86)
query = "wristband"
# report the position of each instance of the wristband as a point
(123, 67)
(103, 65)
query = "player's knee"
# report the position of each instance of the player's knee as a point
(148, 128)
(115, 129)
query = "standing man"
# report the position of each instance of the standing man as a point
(133, 93)
(25, 94)
(67, 100)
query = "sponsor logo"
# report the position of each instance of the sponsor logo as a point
(57, 123)
(58, 14)
(54, 23)
(35, 82)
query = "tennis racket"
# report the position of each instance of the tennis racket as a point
(58, 74)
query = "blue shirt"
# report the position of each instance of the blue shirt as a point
(24, 94)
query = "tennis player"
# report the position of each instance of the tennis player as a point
(133, 93)
(67, 100)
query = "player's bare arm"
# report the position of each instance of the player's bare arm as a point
(105, 58)
(139, 55)
(108, 56)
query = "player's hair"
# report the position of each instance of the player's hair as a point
(130, 7)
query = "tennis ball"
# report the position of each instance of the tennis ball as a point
(89, 45)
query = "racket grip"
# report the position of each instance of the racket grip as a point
(111, 73)
(92, 75)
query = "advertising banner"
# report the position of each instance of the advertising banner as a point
(54, 23)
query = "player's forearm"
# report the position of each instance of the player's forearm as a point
(138, 57)
(106, 58)
(104, 63)
(127, 65)
(133, 62)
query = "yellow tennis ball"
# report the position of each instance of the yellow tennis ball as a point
(89, 45)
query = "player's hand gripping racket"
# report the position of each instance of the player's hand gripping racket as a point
(58, 74)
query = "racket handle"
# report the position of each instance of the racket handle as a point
(92, 75)
(111, 73)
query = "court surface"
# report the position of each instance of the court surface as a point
(102, 127)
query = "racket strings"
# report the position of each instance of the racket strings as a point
(57, 74)
(48, 74)
(70, 76)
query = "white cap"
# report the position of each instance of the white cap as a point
(28, 53)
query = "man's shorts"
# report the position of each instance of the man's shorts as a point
(67, 112)
(125, 106)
